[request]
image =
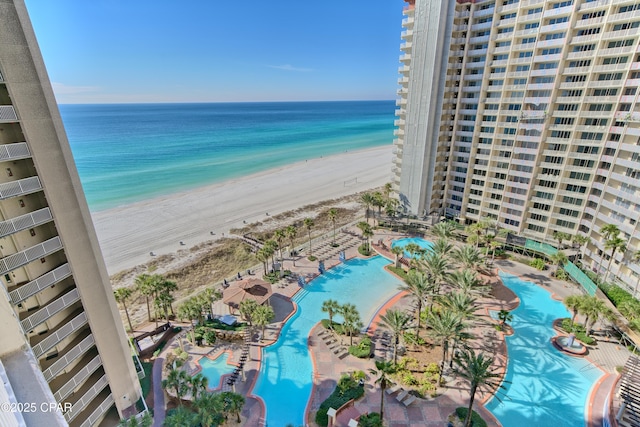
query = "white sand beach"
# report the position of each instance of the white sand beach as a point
(129, 233)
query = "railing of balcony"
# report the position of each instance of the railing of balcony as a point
(78, 379)
(20, 187)
(95, 415)
(24, 222)
(22, 258)
(50, 310)
(76, 323)
(7, 113)
(42, 282)
(86, 398)
(69, 357)
(18, 150)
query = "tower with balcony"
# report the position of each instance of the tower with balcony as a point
(57, 303)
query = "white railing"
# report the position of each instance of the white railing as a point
(50, 310)
(69, 357)
(78, 379)
(20, 187)
(100, 410)
(24, 222)
(37, 251)
(7, 113)
(86, 398)
(42, 282)
(76, 323)
(18, 150)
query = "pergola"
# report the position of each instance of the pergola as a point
(247, 289)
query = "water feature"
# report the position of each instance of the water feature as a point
(215, 368)
(286, 372)
(543, 387)
(570, 345)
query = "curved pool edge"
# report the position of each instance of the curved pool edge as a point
(212, 358)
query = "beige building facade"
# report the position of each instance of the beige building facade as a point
(57, 303)
(534, 122)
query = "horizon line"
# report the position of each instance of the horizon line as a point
(219, 102)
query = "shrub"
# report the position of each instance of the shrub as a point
(476, 419)
(362, 350)
(364, 250)
(560, 274)
(537, 263)
(312, 258)
(399, 271)
(346, 390)
(370, 420)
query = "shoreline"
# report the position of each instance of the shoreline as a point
(166, 224)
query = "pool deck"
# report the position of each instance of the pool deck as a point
(423, 412)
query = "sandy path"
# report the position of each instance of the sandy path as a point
(128, 234)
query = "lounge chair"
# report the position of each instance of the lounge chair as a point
(393, 389)
(408, 401)
(402, 395)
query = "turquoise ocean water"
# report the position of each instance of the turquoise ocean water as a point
(131, 152)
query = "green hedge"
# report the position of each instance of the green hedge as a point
(476, 419)
(346, 390)
(399, 271)
(362, 350)
(578, 331)
(370, 420)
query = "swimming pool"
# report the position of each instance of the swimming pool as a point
(214, 369)
(424, 244)
(286, 372)
(543, 387)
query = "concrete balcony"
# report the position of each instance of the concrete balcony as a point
(16, 151)
(98, 413)
(51, 309)
(77, 377)
(20, 187)
(52, 338)
(79, 346)
(24, 222)
(7, 114)
(35, 252)
(87, 393)
(42, 282)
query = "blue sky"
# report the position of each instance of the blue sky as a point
(103, 51)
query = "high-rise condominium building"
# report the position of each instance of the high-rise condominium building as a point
(525, 112)
(62, 339)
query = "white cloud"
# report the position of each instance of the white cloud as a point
(289, 67)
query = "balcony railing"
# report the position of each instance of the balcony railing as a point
(20, 187)
(78, 379)
(23, 222)
(22, 258)
(76, 323)
(86, 398)
(42, 282)
(100, 410)
(7, 113)
(16, 151)
(69, 357)
(50, 310)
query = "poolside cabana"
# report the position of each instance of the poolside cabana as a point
(251, 288)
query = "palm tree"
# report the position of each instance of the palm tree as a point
(263, 257)
(561, 236)
(386, 191)
(145, 284)
(418, 285)
(262, 316)
(444, 229)
(291, 232)
(581, 241)
(333, 215)
(467, 282)
(436, 267)
(351, 320)
(504, 316)
(178, 380)
(330, 307)
(573, 303)
(199, 384)
(122, 295)
(474, 232)
(559, 259)
(365, 228)
(636, 259)
(494, 244)
(279, 236)
(398, 322)
(181, 417)
(210, 409)
(271, 246)
(397, 251)
(379, 202)
(210, 296)
(367, 201)
(607, 232)
(308, 223)
(446, 327)
(191, 309)
(247, 308)
(476, 368)
(615, 244)
(467, 256)
(442, 247)
(162, 303)
(459, 303)
(232, 403)
(382, 373)
(593, 308)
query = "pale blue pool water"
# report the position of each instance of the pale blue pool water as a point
(216, 368)
(543, 387)
(285, 378)
(424, 244)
